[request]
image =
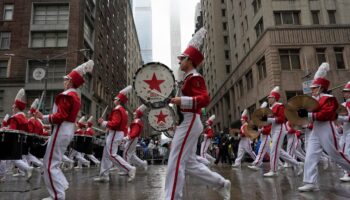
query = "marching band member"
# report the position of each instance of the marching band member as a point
(65, 111)
(18, 121)
(76, 154)
(182, 159)
(244, 144)
(346, 127)
(35, 126)
(265, 144)
(323, 135)
(208, 135)
(131, 139)
(291, 141)
(90, 132)
(278, 132)
(299, 152)
(117, 129)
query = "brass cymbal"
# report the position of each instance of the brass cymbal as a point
(304, 102)
(252, 133)
(259, 114)
(234, 130)
(342, 110)
(291, 113)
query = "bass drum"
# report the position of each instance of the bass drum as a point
(161, 119)
(11, 144)
(154, 84)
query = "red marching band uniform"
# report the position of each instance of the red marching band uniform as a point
(206, 158)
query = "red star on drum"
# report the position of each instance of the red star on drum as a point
(154, 83)
(161, 117)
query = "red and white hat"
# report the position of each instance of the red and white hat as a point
(34, 106)
(21, 99)
(320, 77)
(211, 119)
(193, 51)
(244, 115)
(81, 122)
(347, 87)
(275, 92)
(76, 75)
(122, 94)
(140, 111)
(90, 121)
(263, 105)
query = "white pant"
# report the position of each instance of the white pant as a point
(110, 155)
(80, 158)
(204, 150)
(244, 147)
(55, 180)
(322, 137)
(299, 152)
(129, 153)
(182, 159)
(32, 159)
(93, 159)
(291, 141)
(264, 147)
(66, 159)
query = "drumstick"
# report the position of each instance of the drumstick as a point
(41, 100)
(104, 112)
(155, 92)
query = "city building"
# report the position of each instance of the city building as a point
(142, 10)
(270, 43)
(175, 38)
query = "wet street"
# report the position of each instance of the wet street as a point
(246, 184)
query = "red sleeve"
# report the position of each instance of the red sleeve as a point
(64, 104)
(327, 111)
(298, 134)
(31, 126)
(210, 133)
(13, 123)
(115, 120)
(280, 118)
(266, 130)
(200, 94)
(134, 131)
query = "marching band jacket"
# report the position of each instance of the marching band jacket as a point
(242, 132)
(118, 120)
(278, 113)
(265, 130)
(18, 121)
(89, 131)
(326, 110)
(35, 126)
(346, 119)
(136, 128)
(194, 93)
(66, 108)
(209, 132)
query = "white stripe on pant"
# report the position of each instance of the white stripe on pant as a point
(182, 159)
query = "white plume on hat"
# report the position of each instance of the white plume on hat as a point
(245, 113)
(126, 90)
(276, 89)
(7, 116)
(322, 71)
(142, 108)
(90, 119)
(263, 105)
(212, 118)
(35, 104)
(86, 67)
(82, 119)
(197, 39)
(21, 95)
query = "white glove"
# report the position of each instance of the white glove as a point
(126, 138)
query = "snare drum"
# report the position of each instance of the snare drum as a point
(154, 84)
(27, 142)
(11, 144)
(83, 144)
(38, 146)
(161, 119)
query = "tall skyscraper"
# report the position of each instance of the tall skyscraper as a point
(175, 37)
(143, 21)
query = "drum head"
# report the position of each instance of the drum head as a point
(161, 119)
(154, 83)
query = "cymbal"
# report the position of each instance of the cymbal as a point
(342, 110)
(259, 114)
(251, 133)
(234, 130)
(304, 102)
(291, 112)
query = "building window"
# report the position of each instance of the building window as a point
(259, 27)
(244, 48)
(256, 5)
(240, 8)
(249, 78)
(331, 16)
(339, 56)
(3, 68)
(49, 39)
(56, 70)
(5, 40)
(8, 12)
(228, 69)
(233, 21)
(287, 17)
(85, 105)
(261, 68)
(290, 59)
(235, 39)
(51, 14)
(225, 39)
(321, 55)
(246, 22)
(1, 99)
(223, 12)
(236, 56)
(242, 29)
(315, 17)
(224, 26)
(227, 54)
(240, 87)
(290, 94)
(248, 43)
(88, 31)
